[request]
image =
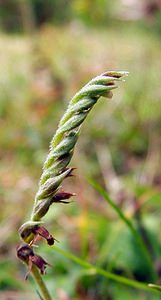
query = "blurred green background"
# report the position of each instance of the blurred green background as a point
(48, 50)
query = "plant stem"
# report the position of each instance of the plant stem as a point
(130, 225)
(96, 270)
(41, 283)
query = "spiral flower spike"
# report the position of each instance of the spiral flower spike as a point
(56, 169)
(62, 145)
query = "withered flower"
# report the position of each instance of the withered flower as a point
(61, 197)
(34, 230)
(38, 261)
(43, 206)
(27, 255)
(43, 232)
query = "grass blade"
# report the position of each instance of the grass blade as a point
(155, 287)
(97, 270)
(129, 224)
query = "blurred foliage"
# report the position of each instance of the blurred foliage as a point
(119, 147)
(25, 15)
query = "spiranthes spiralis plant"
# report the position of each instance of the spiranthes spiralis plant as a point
(56, 169)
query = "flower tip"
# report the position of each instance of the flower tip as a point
(116, 74)
(61, 197)
(50, 241)
(125, 73)
(70, 173)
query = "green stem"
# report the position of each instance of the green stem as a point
(129, 225)
(155, 287)
(96, 270)
(44, 291)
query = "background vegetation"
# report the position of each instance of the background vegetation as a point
(49, 49)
